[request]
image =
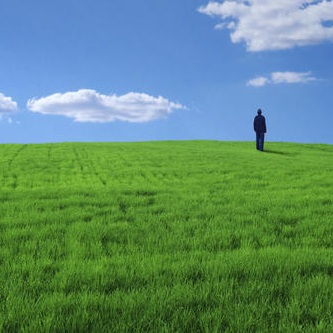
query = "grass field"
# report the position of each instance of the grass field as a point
(195, 236)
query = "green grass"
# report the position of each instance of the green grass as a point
(196, 236)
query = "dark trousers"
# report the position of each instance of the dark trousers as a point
(260, 139)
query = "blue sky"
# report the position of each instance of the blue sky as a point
(115, 70)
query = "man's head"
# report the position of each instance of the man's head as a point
(259, 112)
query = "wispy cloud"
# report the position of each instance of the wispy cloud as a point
(7, 104)
(274, 25)
(282, 77)
(258, 81)
(87, 105)
(292, 77)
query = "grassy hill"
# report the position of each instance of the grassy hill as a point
(195, 236)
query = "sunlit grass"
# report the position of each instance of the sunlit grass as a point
(195, 236)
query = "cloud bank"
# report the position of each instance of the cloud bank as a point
(274, 25)
(282, 77)
(7, 104)
(87, 105)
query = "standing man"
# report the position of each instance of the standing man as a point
(259, 125)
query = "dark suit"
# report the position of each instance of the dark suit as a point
(259, 125)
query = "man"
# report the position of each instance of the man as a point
(259, 125)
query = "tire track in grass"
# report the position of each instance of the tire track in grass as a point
(10, 177)
(85, 162)
(16, 154)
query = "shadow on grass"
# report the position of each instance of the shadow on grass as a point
(276, 152)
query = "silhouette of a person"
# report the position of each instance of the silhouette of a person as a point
(259, 125)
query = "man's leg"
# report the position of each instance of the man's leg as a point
(257, 140)
(261, 141)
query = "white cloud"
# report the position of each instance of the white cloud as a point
(282, 77)
(7, 104)
(87, 105)
(258, 81)
(274, 25)
(292, 77)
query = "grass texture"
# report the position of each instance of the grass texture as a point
(194, 236)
